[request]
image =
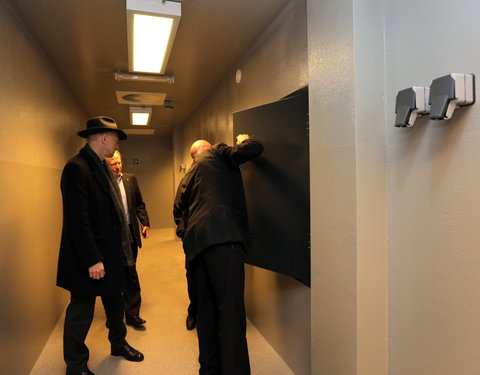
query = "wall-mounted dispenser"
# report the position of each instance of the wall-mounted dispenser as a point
(411, 103)
(449, 92)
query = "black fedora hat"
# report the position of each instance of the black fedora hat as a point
(101, 124)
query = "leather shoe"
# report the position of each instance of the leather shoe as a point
(73, 372)
(191, 322)
(129, 353)
(135, 321)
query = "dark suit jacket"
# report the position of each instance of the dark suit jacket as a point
(91, 230)
(210, 204)
(136, 206)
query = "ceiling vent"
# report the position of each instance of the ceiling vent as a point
(140, 98)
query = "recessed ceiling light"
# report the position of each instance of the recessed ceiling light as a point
(151, 28)
(140, 115)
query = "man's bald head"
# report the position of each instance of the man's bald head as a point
(198, 147)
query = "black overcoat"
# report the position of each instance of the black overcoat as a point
(210, 206)
(91, 230)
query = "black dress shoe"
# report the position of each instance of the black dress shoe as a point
(73, 372)
(191, 322)
(129, 353)
(135, 321)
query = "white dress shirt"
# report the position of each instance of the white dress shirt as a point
(124, 197)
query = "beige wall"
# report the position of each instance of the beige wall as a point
(370, 182)
(411, 193)
(275, 66)
(348, 176)
(434, 204)
(39, 119)
(371, 194)
(154, 173)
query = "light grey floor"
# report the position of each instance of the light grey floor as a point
(168, 347)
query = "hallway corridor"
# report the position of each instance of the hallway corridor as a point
(168, 347)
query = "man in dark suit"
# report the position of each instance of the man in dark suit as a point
(211, 217)
(136, 212)
(95, 246)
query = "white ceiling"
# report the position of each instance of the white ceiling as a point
(86, 40)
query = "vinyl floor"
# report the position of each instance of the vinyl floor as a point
(168, 347)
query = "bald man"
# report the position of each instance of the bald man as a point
(198, 147)
(192, 311)
(211, 217)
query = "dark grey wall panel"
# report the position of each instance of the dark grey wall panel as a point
(277, 186)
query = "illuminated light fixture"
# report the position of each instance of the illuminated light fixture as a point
(151, 29)
(140, 115)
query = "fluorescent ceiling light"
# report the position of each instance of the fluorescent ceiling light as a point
(151, 28)
(140, 118)
(140, 115)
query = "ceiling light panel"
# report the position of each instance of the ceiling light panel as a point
(140, 118)
(140, 115)
(151, 28)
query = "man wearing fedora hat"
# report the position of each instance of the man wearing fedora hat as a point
(95, 246)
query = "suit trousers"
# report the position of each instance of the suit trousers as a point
(218, 277)
(192, 307)
(131, 294)
(79, 317)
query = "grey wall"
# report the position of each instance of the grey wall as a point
(39, 119)
(348, 187)
(275, 66)
(433, 198)
(370, 182)
(154, 172)
(409, 193)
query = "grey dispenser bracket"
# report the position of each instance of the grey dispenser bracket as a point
(450, 92)
(410, 104)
